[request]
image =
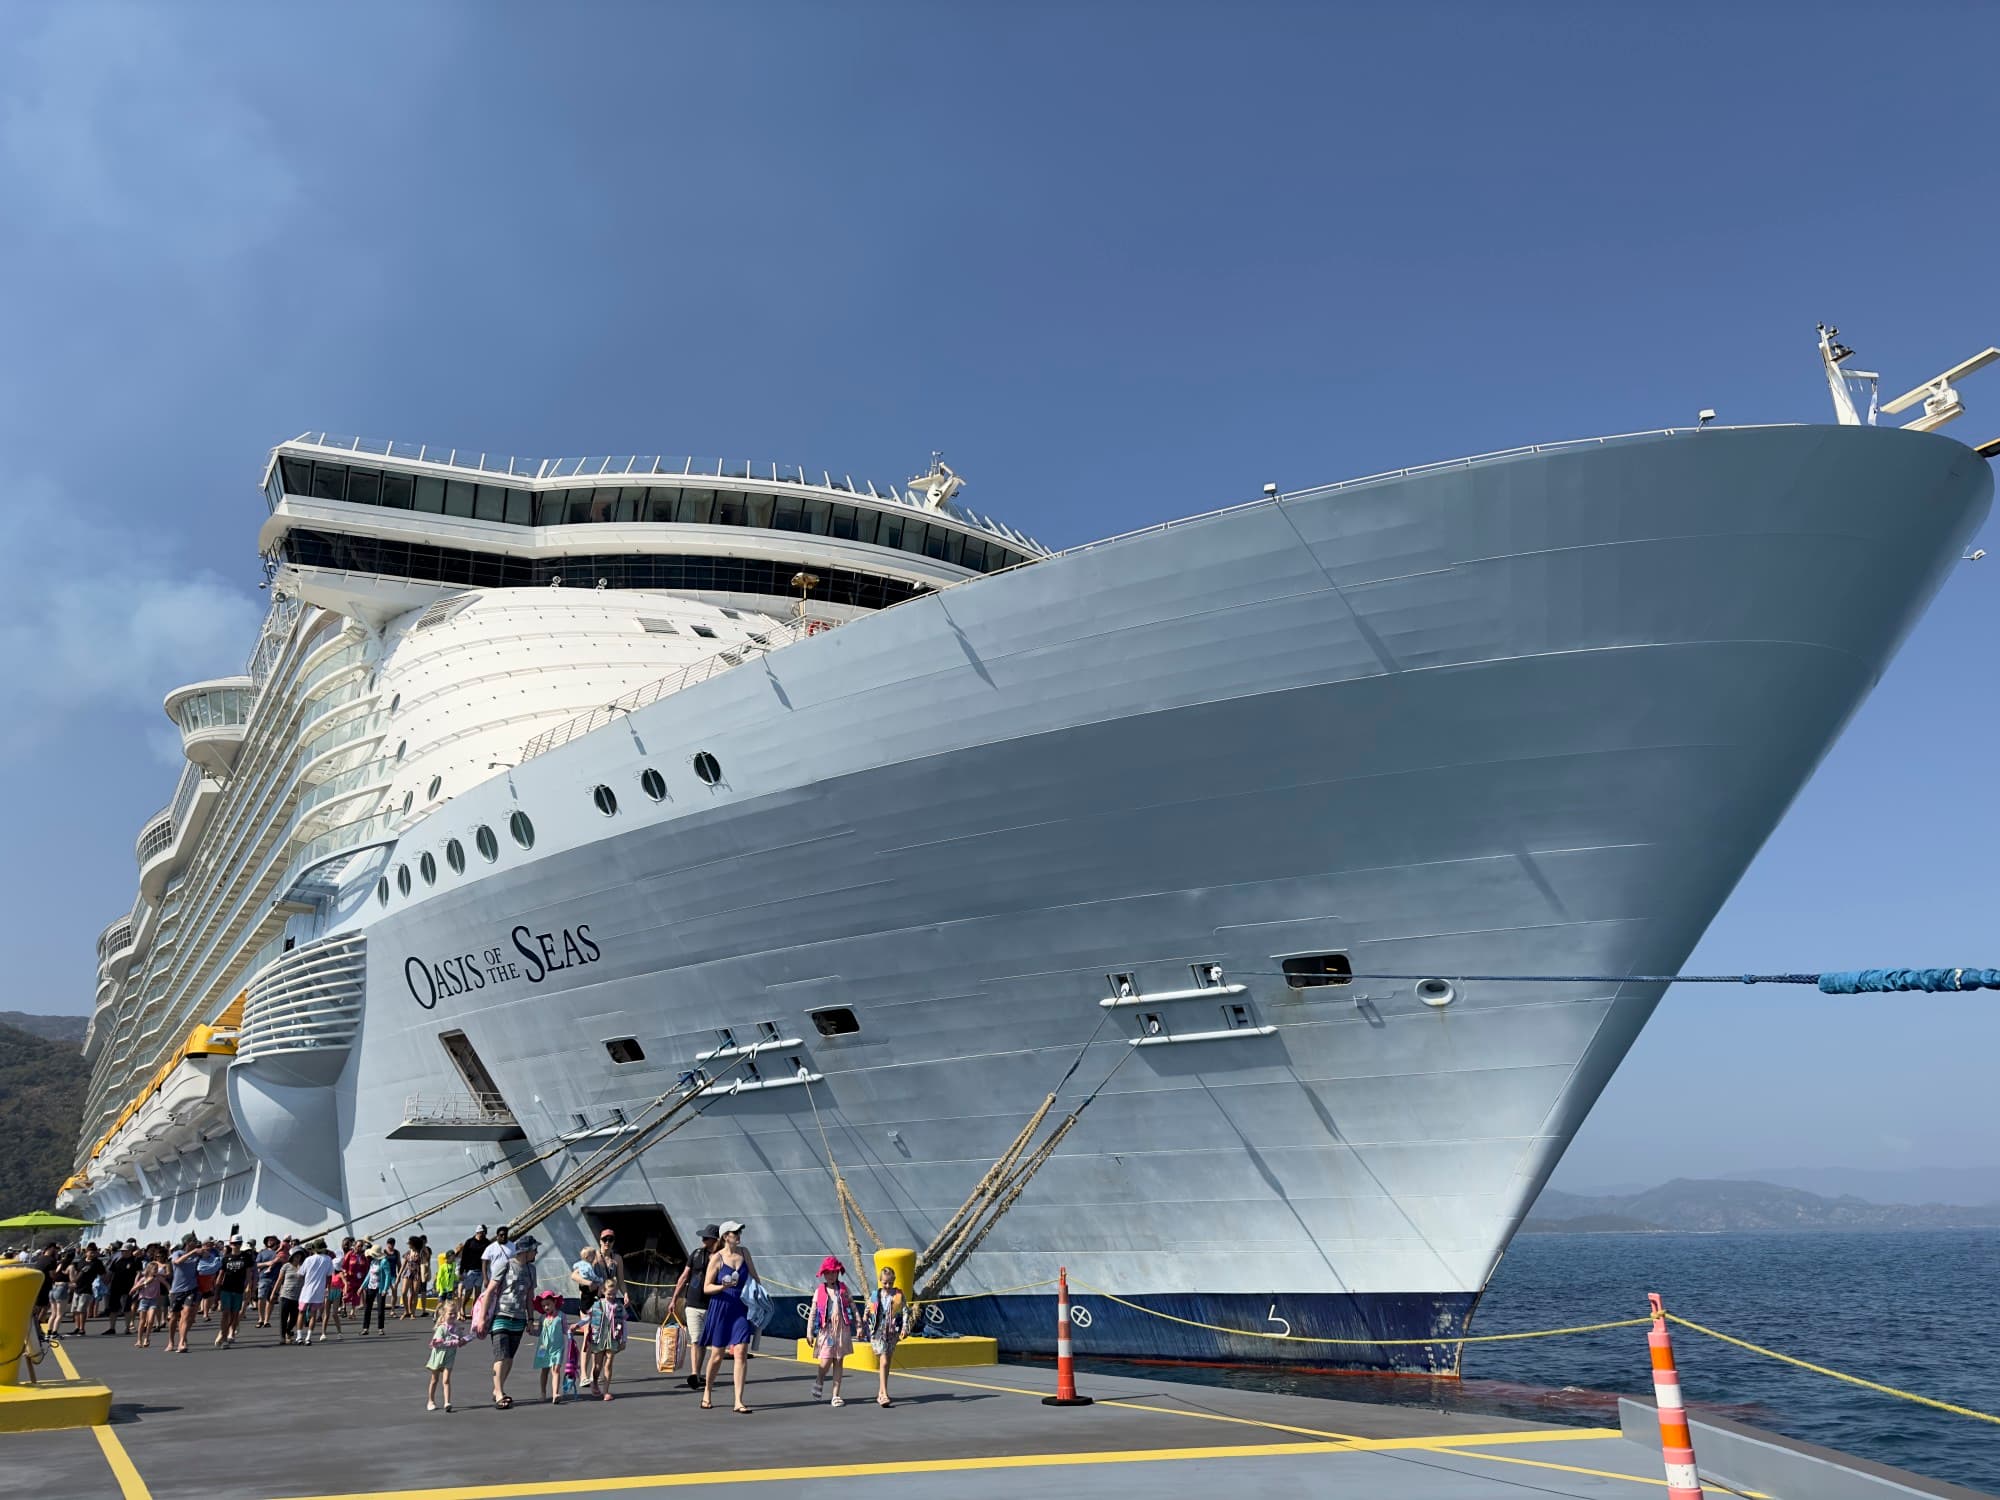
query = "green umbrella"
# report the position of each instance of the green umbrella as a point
(41, 1219)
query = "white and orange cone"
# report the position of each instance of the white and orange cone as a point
(1065, 1362)
(1676, 1442)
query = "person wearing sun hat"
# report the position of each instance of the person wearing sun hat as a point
(830, 1327)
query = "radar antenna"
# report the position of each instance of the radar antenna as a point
(1941, 399)
(938, 484)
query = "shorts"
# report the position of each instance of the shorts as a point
(178, 1300)
(264, 1286)
(232, 1301)
(469, 1283)
(506, 1341)
(149, 1304)
(206, 1283)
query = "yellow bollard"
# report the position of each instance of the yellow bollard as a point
(921, 1354)
(49, 1403)
(18, 1286)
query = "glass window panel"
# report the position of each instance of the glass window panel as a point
(490, 503)
(840, 522)
(520, 508)
(706, 508)
(631, 503)
(329, 481)
(788, 514)
(660, 503)
(363, 487)
(914, 535)
(398, 491)
(760, 511)
(430, 494)
(296, 475)
(576, 507)
(947, 544)
(604, 503)
(458, 497)
(891, 530)
(866, 524)
(817, 512)
(975, 554)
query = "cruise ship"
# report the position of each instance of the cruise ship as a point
(637, 842)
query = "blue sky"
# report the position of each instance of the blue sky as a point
(1120, 262)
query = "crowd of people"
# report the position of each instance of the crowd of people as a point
(485, 1288)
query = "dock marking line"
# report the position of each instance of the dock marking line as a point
(1537, 1463)
(512, 1489)
(1171, 1411)
(130, 1485)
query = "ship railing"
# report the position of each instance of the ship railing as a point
(457, 1109)
(376, 828)
(759, 645)
(630, 465)
(308, 1000)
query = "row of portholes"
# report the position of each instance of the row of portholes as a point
(430, 793)
(654, 785)
(483, 839)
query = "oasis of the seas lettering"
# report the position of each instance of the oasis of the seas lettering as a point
(535, 956)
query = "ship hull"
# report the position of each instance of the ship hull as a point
(1533, 715)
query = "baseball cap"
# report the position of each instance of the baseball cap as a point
(730, 1226)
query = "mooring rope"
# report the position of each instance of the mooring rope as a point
(1835, 982)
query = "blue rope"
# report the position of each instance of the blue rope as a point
(1845, 982)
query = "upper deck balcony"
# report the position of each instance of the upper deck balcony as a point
(210, 716)
(415, 519)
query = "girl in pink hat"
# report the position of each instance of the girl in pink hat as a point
(830, 1327)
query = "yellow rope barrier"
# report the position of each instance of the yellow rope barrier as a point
(1872, 1385)
(1300, 1338)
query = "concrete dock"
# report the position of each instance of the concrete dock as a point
(346, 1419)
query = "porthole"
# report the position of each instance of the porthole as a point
(836, 1021)
(708, 768)
(430, 792)
(653, 784)
(454, 855)
(522, 829)
(428, 868)
(382, 890)
(401, 746)
(605, 798)
(395, 703)
(403, 879)
(408, 798)
(487, 842)
(625, 1049)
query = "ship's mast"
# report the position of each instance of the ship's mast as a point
(1831, 353)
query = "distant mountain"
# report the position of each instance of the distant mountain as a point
(1969, 1186)
(55, 1028)
(41, 1109)
(1727, 1204)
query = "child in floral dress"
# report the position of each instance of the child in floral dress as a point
(449, 1334)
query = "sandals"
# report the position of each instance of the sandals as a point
(743, 1411)
(503, 1403)
(706, 1404)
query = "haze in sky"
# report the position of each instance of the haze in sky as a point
(1119, 262)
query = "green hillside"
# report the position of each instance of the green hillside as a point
(41, 1107)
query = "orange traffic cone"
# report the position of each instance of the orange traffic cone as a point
(1676, 1443)
(1065, 1365)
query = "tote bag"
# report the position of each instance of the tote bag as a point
(482, 1310)
(667, 1348)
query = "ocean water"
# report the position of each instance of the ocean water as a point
(1920, 1311)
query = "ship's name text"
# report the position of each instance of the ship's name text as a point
(534, 956)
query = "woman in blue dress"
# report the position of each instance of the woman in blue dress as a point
(728, 1326)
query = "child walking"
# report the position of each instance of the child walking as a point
(550, 1344)
(449, 1334)
(830, 1327)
